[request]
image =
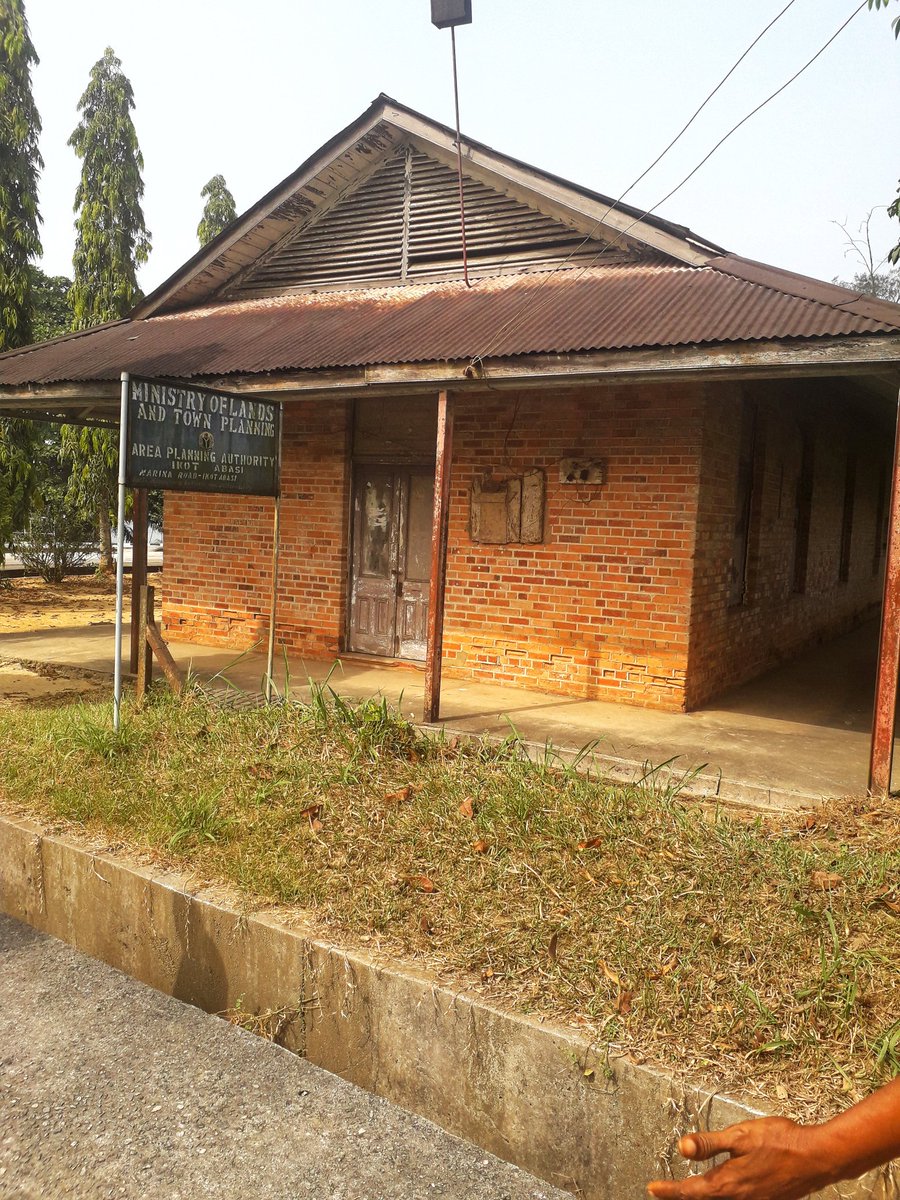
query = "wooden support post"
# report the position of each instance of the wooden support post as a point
(138, 570)
(885, 717)
(166, 661)
(145, 656)
(439, 523)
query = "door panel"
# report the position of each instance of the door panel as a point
(392, 511)
(415, 574)
(373, 599)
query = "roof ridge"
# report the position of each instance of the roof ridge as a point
(808, 288)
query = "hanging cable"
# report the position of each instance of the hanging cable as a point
(678, 136)
(459, 170)
(515, 320)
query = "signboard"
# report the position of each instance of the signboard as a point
(193, 439)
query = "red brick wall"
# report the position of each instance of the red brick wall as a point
(601, 608)
(627, 596)
(218, 549)
(730, 644)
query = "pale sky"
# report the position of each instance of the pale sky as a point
(588, 89)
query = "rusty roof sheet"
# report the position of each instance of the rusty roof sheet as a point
(563, 312)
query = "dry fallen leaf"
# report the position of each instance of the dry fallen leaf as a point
(400, 796)
(590, 843)
(316, 825)
(552, 947)
(480, 847)
(419, 883)
(826, 880)
(425, 925)
(610, 975)
(467, 808)
(312, 811)
(623, 1002)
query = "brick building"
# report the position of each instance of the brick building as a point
(670, 467)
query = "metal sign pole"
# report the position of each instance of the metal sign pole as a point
(120, 552)
(276, 550)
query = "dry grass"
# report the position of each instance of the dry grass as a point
(757, 955)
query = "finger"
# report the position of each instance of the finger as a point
(699, 1146)
(695, 1187)
(665, 1189)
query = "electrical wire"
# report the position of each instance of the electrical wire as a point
(515, 320)
(459, 169)
(678, 136)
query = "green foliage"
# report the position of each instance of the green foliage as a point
(894, 211)
(111, 238)
(111, 242)
(885, 285)
(218, 212)
(895, 24)
(18, 476)
(93, 457)
(51, 313)
(20, 165)
(57, 540)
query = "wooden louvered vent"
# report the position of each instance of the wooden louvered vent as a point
(403, 224)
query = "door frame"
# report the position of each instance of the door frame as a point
(358, 464)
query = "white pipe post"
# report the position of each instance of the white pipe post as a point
(120, 552)
(276, 554)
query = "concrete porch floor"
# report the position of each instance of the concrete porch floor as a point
(792, 737)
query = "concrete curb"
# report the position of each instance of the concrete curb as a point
(539, 1096)
(689, 782)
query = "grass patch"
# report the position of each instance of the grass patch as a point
(755, 954)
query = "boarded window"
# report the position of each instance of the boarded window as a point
(847, 518)
(803, 510)
(508, 510)
(740, 546)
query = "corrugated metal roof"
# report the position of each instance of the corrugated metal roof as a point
(348, 156)
(565, 312)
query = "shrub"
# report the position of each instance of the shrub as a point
(57, 540)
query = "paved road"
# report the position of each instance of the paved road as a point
(109, 1089)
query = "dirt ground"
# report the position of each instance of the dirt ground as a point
(28, 605)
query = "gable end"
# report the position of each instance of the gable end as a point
(402, 225)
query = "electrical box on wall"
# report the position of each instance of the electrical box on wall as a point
(582, 470)
(445, 13)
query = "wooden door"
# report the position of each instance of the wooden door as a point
(391, 561)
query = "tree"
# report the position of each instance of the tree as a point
(218, 211)
(20, 166)
(111, 242)
(894, 211)
(111, 238)
(870, 279)
(51, 313)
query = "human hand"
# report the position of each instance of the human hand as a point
(770, 1159)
